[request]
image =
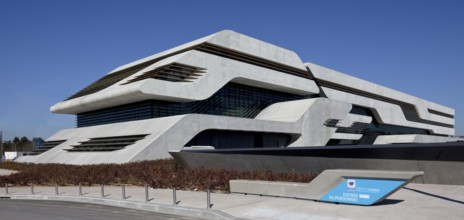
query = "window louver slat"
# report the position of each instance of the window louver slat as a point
(113, 78)
(47, 145)
(106, 143)
(174, 72)
(409, 110)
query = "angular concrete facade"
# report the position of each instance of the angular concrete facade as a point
(228, 90)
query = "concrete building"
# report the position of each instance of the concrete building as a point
(228, 90)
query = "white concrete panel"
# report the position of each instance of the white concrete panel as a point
(421, 105)
(345, 136)
(235, 41)
(153, 127)
(220, 71)
(286, 111)
(164, 53)
(314, 132)
(258, 48)
(386, 113)
(302, 119)
(172, 133)
(311, 115)
(353, 118)
(169, 133)
(412, 138)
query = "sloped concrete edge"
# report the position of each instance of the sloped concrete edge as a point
(150, 207)
(321, 185)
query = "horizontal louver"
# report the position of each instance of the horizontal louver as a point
(409, 110)
(356, 128)
(174, 72)
(113, 78)
(106, 143)
(250, 59)
(47, 145)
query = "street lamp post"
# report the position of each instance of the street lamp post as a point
(16, 151)
(1, 146)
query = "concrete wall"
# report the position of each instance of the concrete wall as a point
(436, 172)
(304, 120)
(172, 133)
(412, 138)
(385, 112)
(219, 71)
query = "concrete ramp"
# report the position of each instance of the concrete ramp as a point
(358, 187)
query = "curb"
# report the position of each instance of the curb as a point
(156, 207)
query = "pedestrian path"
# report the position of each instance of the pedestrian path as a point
(415, 201)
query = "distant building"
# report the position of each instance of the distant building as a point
(228, 90)
(37, 141)
(12, 155)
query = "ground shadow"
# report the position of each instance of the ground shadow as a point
(389, 202)
(436, 196)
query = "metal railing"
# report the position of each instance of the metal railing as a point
(147, 198)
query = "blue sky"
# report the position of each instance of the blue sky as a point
(51, 49)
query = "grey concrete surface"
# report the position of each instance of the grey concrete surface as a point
(60, 210)
(414, 201)
(158, 89)
(160, 200)
(320, 186)
(385, 112)
(250, 62)
(435, 172)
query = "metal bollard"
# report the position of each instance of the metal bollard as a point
(32, 188)
(80, 189)
(102, 189)
(123, 191)
(174, 196)
(208, 199)
(146, 193)
(56, 188)
(6, 188)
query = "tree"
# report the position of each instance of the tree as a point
(16, 140)
(24, 140)
(7, 146)
(19, 144)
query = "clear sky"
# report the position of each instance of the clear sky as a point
(51, 49)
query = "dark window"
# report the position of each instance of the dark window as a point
(372, 130)
(233, 99)
(226, 139)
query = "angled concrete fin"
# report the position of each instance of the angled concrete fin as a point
(358, 187)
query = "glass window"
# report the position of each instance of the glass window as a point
(233, 99)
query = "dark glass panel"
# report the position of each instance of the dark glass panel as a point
(233, 99)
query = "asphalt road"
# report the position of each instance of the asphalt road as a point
(59, 210)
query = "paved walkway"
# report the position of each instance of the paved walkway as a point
(62, 210)
(415, 201)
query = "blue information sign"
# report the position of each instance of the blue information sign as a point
(361, 191)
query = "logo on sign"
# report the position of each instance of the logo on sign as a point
(351, 184)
